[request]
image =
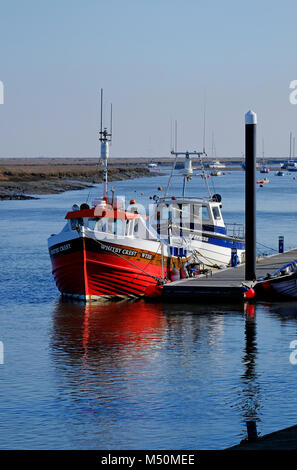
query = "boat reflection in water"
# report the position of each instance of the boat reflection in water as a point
(155, 367)
(97, 330)
(285, 311)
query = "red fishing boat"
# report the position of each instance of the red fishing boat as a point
(110, 251)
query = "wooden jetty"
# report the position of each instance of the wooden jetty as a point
(285, 439)
(229, 283)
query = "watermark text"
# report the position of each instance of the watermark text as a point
(293, 355)
(293, 94)
(1, 93)
(1, 352)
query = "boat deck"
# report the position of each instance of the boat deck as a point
(227, 283)
(285, 439)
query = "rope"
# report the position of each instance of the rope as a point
(269, 248)
(195, 252)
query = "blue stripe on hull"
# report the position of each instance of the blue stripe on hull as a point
(213, 228)
(226, 243)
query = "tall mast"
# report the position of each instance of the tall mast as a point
(105, 139)
(204, 119)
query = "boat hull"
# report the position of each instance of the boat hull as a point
(89, 269)
(278, 287)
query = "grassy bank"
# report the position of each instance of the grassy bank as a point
(23, 179)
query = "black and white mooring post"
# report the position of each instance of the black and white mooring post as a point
(250, 195)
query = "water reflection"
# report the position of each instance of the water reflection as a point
(285, 311)
(135, 361)
(102, 329)
(86, 330)
(251, 391)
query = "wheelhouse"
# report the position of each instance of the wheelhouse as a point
(187, 215)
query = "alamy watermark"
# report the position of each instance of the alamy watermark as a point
(293, 94)
(293, 355)
(168, 220)
(1, 352)
(1, 93)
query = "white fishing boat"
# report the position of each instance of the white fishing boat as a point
(198, 220)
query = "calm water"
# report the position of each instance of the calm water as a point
(139, 375)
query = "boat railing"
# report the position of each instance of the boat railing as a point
(235, 230)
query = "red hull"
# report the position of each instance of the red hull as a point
(86, 271)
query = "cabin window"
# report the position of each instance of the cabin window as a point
(101, 225)
(92, 223)
(216, 213)
(205, 214)
(120, 228)
(185, 212)
(130, 224)
(76, 222)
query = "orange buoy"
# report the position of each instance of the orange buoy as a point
(174, 274)
(249, 294)
(132, 201)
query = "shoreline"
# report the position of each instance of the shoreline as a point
(22, 179)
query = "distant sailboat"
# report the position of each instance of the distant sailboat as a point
(215, 164)
(264, 168)
(291, 165)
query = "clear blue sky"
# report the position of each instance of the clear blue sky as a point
(155, 59)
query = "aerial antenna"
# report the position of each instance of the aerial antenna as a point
(101, 111)
(105, 139)
(176, 135)
(110, 121)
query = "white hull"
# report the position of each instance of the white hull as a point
(213, 255)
